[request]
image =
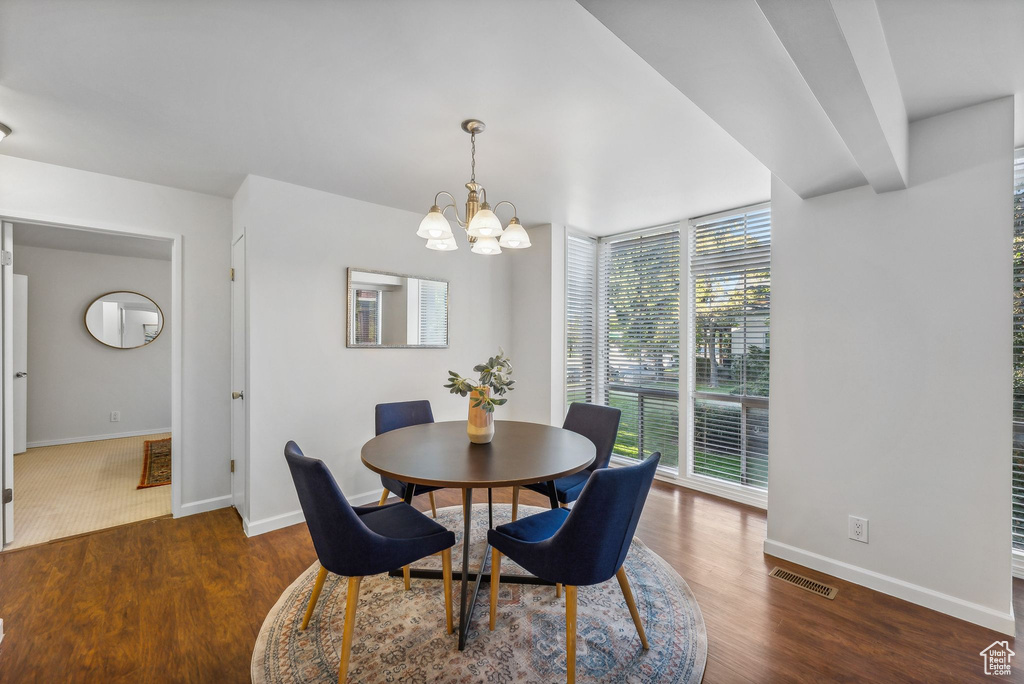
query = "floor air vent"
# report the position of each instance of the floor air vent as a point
(805, 583)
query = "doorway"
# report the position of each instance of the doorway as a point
(87, 380)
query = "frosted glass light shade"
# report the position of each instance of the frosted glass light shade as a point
(515, 236)
(486, 245)
(484, 224)
(434, 226)
(446, 245)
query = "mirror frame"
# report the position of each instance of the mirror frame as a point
(85, 319)
(350, 313)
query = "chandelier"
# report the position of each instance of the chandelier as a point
(481, 224)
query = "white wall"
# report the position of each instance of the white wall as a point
(538, 325)
(304, 383)
(74, 381)
(60, 195)
(890, 373)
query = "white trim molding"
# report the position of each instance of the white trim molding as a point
(929, 598)
(276, 522)
(1018, 563)
(96, 438)
(750, 496)
(205, 505)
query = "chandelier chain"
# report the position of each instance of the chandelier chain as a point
(472, 138)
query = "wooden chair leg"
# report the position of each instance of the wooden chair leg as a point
(627, 593)
(558, 590)
(406, 576)
(570, 633)
(495, 580)
(433, 507)
(317, 586)
(515, 503)
(383, 497)
(351, 601)
(446, 572)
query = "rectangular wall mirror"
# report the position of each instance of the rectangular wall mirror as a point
(392, 310)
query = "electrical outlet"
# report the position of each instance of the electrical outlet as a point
(115, 416)
(859, 529)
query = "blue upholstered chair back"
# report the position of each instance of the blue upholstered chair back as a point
(600, 424)
(344, 545)
(400, 414)
(595, 538)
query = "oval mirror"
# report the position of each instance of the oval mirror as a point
(124, 320)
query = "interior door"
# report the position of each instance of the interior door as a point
(20, 333)
(7, 376)
(239, 385)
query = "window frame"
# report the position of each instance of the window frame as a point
(1017, 555)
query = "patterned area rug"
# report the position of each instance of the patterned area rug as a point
(400, 636)
(156, 463)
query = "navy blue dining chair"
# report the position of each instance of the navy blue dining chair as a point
(360, 541)
(599, 424)
(579, 547)
(395, 415)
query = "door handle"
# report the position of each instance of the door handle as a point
(238, 395)
(21, 374)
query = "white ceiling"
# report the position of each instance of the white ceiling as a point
(364, 99)
(73, 240)
(954, 53)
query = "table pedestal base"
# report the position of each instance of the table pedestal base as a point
(468, 603)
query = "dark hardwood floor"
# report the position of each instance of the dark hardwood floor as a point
(182, 601)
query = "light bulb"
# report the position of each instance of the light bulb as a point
(446, 245)
(434, 225)
(515, 236)
(486, 245)
(485, 223)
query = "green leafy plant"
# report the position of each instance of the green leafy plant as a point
(495, 374)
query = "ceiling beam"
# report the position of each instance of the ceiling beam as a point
(726, 58)
(840, 50)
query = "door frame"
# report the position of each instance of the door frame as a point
(177, 282)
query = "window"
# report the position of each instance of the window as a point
(367, 315)
(1018, 350)
(433, 312)
(580, 323)
(730, 285)
(638, 340)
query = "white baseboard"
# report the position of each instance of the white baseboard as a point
(922, 596)
(276, 522)
(95, 438)
(205, 505)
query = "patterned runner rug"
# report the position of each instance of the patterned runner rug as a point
(400, 636)
(156, 463)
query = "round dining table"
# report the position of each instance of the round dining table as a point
(441, 455)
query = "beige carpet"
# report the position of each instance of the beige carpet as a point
(60, 491)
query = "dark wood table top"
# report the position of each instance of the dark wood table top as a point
(440, 454)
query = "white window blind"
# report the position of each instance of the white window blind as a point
(367, 316)
(433, 319)
(730, 284)
(580, 320)
(638, 340)
(1018, 350)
